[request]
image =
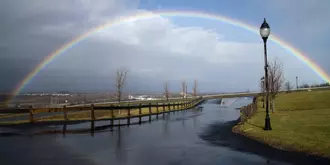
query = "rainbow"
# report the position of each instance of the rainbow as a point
(141, 16)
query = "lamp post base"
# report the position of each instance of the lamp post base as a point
(268, 127)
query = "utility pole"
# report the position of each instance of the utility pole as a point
(297, 82)
(186, 92)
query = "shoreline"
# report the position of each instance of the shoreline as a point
(300, 123)
(237, 129)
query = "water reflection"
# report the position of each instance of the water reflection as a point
(165, 128)
(182, 123)
(120, 148)
(198, 136)
(64, 130)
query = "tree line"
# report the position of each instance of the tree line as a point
(314, 85)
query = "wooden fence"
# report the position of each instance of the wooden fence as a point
(108, 112)
(249, 110)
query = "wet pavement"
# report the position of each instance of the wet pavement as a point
(193, 137)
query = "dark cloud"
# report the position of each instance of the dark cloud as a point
(94, 69)
(31, 31)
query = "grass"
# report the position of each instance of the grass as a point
(300, 123)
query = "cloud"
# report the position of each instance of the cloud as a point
(161, 34)
(302, 23)
(155, 50)
(307, 16)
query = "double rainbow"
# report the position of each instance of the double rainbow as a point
(193, 14)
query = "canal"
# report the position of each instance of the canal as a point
(200, 136)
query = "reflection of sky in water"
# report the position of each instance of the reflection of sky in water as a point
(194, 137)
(173, 140)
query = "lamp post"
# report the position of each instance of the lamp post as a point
(264, 32)
(263, 91)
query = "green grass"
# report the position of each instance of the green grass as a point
(300, 123)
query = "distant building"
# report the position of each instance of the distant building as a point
(142, 97)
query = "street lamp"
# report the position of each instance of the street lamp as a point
(263, 91)
(264, 32)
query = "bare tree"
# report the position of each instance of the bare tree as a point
(120, 82)
(183, 86)
(276, 80)
(262, 91)
(166, 91)
(195, 88)
(288, 86)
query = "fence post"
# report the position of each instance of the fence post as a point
(163, 110)
(129, 115)
(150, 112)
(251, 109)
(92, 113)
(65, 113)
(157, 110)
(173, 106)
(140, 113)
(119, 114)
(31, 114)
(112, 116)
(92, 128)
(241, 115)
(64, 129)
(169, 106)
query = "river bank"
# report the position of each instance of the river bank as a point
(300, 124)
(196, 136)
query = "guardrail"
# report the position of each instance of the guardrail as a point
(103, 112)
(248, 110)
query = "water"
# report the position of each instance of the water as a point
(194, 137)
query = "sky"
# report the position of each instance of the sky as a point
(221, 57)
